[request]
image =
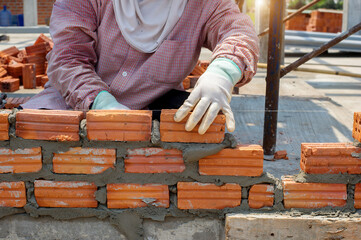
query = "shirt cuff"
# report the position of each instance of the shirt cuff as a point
(226, 68)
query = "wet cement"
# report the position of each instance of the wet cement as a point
(129, 221)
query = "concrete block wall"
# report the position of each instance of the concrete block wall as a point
(124, 166)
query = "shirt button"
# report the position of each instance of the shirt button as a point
(125, 74)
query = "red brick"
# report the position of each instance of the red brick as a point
(20, 160)
(193, 195)
(44, 80)
(186, 83)
(65, 194)
(329, 158)
(245, 160)
(84, 161)
(11, 51)
(119, 125)
(39, 63)
(356, 133)
(38, 79)
(40, 49)
(358, 196)
(280, 155)
(53, 125)
(15, 70)
(198, 70)
(3, 72)
(137, 195)
(29, 76)
(261, 195)
(12, 194)
(42, 38)
(9, 84)
(313, 195)
(171, 131)
(154, 160)
(4, 126)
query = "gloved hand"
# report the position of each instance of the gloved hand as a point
(211, 94)
(105, 101)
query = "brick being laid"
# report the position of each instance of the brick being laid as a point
(313, 195)
(12, 194)
(171, 131)
(126, 195)
(244, 160)
(84, 161)
(330, 158)
(51, 125)
(357, 196)
(356, 132)
(4, 126)
(261, 195)
(65, 194)
(21, 160)
(119, 125)
(154, 160)
(194, 195)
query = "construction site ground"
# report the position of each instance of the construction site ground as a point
(313, 107)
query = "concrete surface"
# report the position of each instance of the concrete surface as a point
(24, 227)
(276, 226)
(313, 108)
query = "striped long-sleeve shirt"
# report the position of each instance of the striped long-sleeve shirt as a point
(90, 54)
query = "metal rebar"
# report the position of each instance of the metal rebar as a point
(321, 49)
(292, 15)
(273, 76)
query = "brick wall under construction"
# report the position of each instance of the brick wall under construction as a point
(122, 164)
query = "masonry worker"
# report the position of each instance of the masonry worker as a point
(126, 54)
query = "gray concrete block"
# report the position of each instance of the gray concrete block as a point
(276, 226)
(24, 227)
(181, 228)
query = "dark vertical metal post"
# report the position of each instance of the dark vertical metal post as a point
(273, 76)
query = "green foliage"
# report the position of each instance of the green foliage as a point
(296, 4)
(328, 4)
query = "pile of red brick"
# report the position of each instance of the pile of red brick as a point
(299, 22)
(325, 22)
(199, 69)
(26, 67)
(317, 21)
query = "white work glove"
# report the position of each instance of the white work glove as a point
(211, 94)
(105, 101)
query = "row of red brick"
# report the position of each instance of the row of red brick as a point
(103, 125)
(190, 195)
(245, 160)
(114, 125)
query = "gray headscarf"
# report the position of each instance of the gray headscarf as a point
(146, 23)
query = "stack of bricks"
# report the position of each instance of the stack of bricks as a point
(298, 23)
(325, 21)
(318, 159)
(25, 67)
(66, 164)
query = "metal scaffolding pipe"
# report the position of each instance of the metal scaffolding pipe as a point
(273, 76)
